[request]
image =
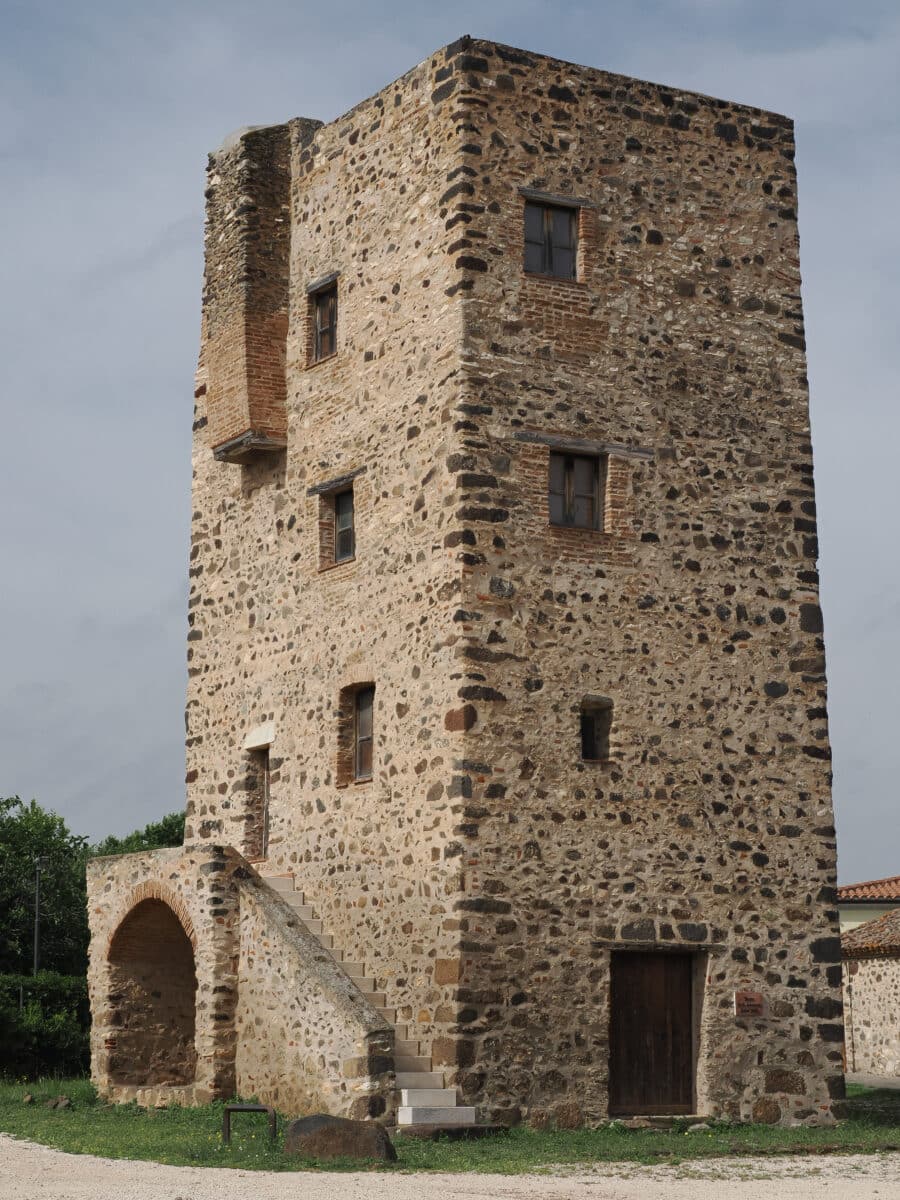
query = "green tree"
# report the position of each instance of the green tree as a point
(29, 832)
(167, 832)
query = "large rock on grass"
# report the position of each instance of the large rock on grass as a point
(321, 1136)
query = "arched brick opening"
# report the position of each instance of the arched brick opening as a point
(153, 985)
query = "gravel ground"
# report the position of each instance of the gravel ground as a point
(31, 1172)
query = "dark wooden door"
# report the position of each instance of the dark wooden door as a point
(651, 1038)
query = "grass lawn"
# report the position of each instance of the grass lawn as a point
(193, 1136)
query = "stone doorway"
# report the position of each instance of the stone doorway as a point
(152, 990)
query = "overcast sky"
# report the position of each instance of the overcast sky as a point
(107, 111)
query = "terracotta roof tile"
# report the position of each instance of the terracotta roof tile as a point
(875, 889)
(873, 939)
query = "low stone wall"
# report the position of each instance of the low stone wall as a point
(307, 1039)
(203, 984)
(872, 1015)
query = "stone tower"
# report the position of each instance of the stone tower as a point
(507, 755)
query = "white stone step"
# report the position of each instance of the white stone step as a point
(364, 985)
(351, 968)
(419, 1079)
(408, 1062)
(407, 1115)
(280, 883)
(313, 926)
(428, 1097)
(305, 911)
(325, 940)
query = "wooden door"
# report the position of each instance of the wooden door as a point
(651, 1034)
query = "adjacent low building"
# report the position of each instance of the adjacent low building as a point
(871, 953)
(862, 902)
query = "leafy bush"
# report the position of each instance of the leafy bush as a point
(44, 1025)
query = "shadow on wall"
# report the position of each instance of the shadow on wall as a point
(153, 985)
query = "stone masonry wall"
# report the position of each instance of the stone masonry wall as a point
(197, 884)
(678, 352)
(485, 874)
(307, 1040)
(872, 1013)
(277, 631)
(203, 984)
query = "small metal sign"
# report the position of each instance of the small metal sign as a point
(749, 1004)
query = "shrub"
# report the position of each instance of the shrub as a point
(44, 1025)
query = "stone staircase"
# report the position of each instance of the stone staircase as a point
(423, 1098)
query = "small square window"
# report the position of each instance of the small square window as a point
(324, 305)
(576, 490)
(344, 535)
(596, 725)
(551, 240)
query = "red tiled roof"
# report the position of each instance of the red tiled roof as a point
(873, 939)
(875, 889)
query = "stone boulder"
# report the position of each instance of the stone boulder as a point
(321, 1136)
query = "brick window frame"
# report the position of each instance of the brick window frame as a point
(322, 320)
(331, 552)
(555, 233)
(576, 490)
(353, 765)
(595, 722)
(621, 518)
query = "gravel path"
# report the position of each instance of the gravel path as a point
(32, 1172)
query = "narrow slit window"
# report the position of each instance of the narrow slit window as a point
(362, 739)
(551, 240)
(325, 313)
(596, 726)
(344, 534)
(575, 490)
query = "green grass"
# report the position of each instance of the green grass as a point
(192, 1136)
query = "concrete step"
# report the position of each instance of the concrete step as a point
(407, 1115)
(404, 1062)
(280, 883)
(305, 911)
(406, 1048)
(313, 926)
(401, 1032)
(325, 940)
(420, 1079)
(351, 968)
(364, 985)
(389, 1014)
(428, 1097)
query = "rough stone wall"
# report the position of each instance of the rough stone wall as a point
(197, 885)
(486, 874)
(277, 631)
(307, 1040)
(204, 983)
(696, 610)
(872, 1015)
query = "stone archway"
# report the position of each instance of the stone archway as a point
(152, 998)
